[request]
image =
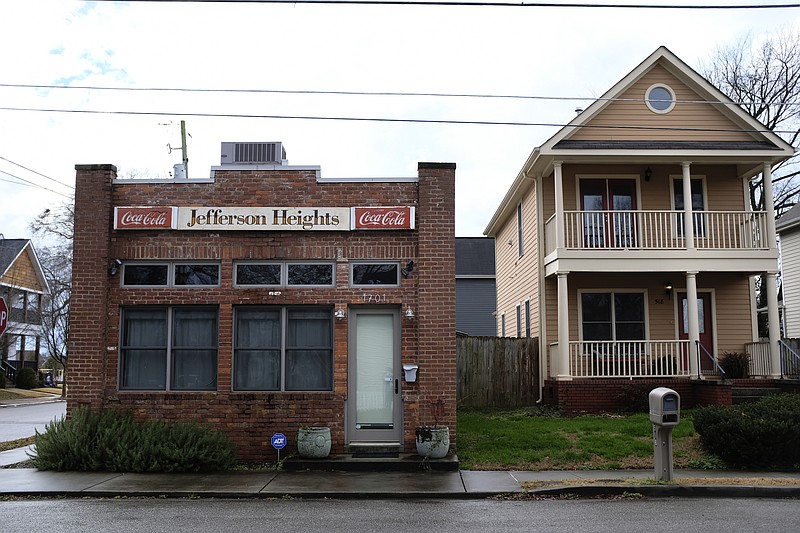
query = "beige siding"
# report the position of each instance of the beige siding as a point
(22, 274)
(734, 319)
(790, 281)
(631, 110)
(517, 277)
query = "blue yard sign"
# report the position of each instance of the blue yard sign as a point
(278, 441)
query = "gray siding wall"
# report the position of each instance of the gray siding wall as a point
(475, 305)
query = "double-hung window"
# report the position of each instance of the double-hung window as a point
(169, 348)
(698, 205)
(283, 348)
(613, 322)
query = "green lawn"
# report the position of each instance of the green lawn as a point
(536, 439)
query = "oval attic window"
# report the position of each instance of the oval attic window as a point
(660, 98)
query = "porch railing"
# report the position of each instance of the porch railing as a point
(790, 359)
(629, 359)
(659, 230)
(760, 364)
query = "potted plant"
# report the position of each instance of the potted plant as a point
(433, 442)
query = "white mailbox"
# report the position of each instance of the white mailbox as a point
(665, 407)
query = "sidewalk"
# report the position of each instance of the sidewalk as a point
(464, 484)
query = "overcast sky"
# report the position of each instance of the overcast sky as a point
(464, 50)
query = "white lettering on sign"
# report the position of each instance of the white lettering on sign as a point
(144, 217)
(383, 218)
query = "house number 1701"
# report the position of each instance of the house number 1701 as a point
(374, 298)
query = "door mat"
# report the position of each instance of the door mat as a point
(375, 455)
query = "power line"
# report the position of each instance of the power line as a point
(29, 183)
(37, 173)
(485, 4)
(392, 120)
(367, 93)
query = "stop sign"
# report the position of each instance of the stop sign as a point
(3, 315)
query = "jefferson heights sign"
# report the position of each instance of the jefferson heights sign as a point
(264, 218)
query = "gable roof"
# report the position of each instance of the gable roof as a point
(599, 134)
(13, 251)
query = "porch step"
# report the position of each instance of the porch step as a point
(404, 462)
(741, 395)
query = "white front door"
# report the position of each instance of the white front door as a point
(374, 407)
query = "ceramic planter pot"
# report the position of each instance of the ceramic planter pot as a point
(433, 442)
(314, 442)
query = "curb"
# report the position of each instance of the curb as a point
(671, 491)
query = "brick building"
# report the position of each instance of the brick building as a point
(266, 298)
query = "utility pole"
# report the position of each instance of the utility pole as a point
(184, 149)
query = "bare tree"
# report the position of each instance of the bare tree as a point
(763, 76)
(55, 229)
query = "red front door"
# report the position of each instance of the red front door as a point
(705, 320)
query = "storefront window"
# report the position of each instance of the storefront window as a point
(299, 339)
(317, 274)
(265, 274)
(165, 274)
(183, 339)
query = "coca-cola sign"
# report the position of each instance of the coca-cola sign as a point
(382, 218)
(144, 217)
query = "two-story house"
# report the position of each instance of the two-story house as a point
(628, 240)
(23, 285)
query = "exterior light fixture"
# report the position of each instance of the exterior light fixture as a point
(409, 313)
(339, 314)
(668, 289)
(115, 267)
(648, 173)
(408, 269)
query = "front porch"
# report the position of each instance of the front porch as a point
(669, 359)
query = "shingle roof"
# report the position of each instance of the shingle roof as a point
(474, 256)
(789, 219)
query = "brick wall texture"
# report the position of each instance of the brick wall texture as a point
(250, 418)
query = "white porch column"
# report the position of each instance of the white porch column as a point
(688, 222)
(769, 205)
(559, 186)
(774, 326)
(693, 318)
(563, 328)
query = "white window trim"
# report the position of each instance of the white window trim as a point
(612, 292)
(667, 88)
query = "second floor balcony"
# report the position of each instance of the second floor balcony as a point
(659, 230)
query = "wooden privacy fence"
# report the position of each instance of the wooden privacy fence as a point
(497, 371)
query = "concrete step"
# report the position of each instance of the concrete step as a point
(741, 395)
(404, 462)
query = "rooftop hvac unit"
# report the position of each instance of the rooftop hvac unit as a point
(252, 153)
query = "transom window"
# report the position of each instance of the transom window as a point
(170, 274)
(370, 274)
(169, 348)
(660, 98)
(283, 274)
(283, 348)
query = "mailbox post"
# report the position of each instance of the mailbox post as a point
(665, 413)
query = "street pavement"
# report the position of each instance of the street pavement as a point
(465, 484)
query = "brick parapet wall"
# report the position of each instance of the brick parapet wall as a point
(90, 284)
(436, 294)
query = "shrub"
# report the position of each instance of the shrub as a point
(27, 378)
(114, 441)
(754, 435)
(735, 364)
(635, 398)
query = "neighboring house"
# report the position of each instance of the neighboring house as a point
(630, 233)
(475, 286)
(23, 285)
(267, 298)
(788, 228)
